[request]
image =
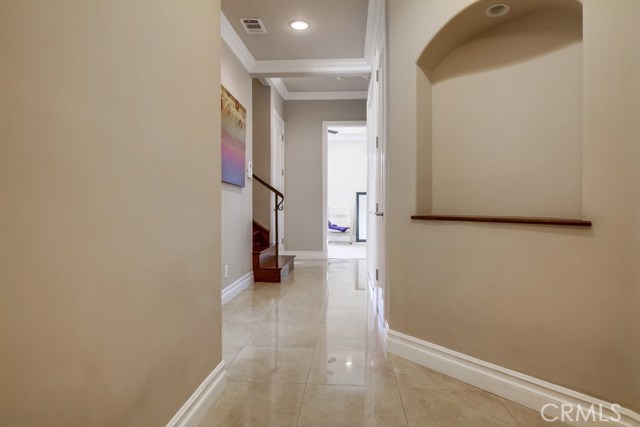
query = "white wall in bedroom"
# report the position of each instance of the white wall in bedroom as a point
(347, 174)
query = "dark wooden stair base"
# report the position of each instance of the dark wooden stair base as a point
(265, 267)
(260, 234)
(273, 272)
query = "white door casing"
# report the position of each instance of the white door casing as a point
(277, 174)
(377, 181)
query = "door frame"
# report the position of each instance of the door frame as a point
(381, 117)
(325, 174)
(277, 179)
(378, 136)
(372, 251)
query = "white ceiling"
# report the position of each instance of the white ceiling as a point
(304, 65)
(338, 28)
(326, 84)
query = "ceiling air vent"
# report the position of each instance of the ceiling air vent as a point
(253, 25)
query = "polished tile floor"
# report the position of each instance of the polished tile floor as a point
(309, 352)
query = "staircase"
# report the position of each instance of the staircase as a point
(268, 264)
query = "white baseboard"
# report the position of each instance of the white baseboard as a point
(236, 287)
(306, 255)
(196, 408)
(523, 389)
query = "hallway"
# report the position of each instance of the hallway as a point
(310, 353)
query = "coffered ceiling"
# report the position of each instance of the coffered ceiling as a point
(330, 60)
(338, 28)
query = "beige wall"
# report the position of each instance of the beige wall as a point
(110, 209)
(265, 101)
(556, 303)
(262, 100)
(237, 202)
(303, 165)
(507, 128)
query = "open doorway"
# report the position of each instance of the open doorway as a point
(346, 190)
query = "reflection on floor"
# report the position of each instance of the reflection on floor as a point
(344, 250)
(309, 352)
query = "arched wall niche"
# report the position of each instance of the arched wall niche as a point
(500, 112)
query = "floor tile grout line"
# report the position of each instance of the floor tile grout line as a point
(304, 393)
(330, 296)
(262, 321)
(277, 299)
(393, 369)
(315, 349)
(508, 411)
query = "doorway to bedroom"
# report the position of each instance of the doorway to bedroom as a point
(346, 187)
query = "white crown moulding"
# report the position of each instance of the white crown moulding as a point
(236, 44)
(325, 96)
(289, 68)
(279, 85)
(311, 67)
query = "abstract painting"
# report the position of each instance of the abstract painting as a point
(234, 130)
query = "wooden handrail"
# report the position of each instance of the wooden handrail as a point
(266, 184)
(278, 207)
(272, 189)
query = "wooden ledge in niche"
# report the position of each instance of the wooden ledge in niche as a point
(571, 222)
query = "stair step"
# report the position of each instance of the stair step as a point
(259, 248)
(282, 260)
(262, 254)
(260, 233)
(272, 271)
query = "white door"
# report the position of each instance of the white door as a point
(377, 140)
(372, 239)
(277, 174)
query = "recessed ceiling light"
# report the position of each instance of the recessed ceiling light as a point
(498, 10)
(299, 25)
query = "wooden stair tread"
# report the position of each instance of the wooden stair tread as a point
(260, 234)
(283, 260)
(259, 248)
(262, 253)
